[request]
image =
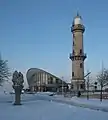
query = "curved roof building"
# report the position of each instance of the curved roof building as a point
(39, 79)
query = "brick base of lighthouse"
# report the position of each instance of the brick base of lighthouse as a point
(78, 85)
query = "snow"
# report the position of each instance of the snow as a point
(44, 93)
(94, 104)
(91, 101)
(43, 107)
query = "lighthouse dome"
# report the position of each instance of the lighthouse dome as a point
(77, 20)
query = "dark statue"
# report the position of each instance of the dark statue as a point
(18, 81)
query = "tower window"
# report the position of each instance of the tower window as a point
(73, 43)
(81, 86)
(72, 73)
(73, 35)
(73, 52)
(81, 65)
(72, 86)
(80, 51)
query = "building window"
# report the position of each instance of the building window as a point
(51, 80)
(57, 81)
(48, 80)
(81, 65)
(72, 73)
(60, 82)
(80, 51)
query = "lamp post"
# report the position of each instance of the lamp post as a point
(101, 84)
(62, 85)
(88, 87)
(87, 75)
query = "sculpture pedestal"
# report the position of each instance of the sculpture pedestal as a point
(18, 90)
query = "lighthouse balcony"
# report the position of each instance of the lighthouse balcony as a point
(78, 27)
(78, 56)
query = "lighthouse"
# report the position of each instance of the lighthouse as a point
(77, 56)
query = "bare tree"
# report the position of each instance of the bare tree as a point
(102, 77)
(4, 71)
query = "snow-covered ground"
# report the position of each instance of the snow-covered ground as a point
(43, 107)
(80, 101)
(45, 110)
(97, 102)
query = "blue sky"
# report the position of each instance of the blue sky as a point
(36, 33)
